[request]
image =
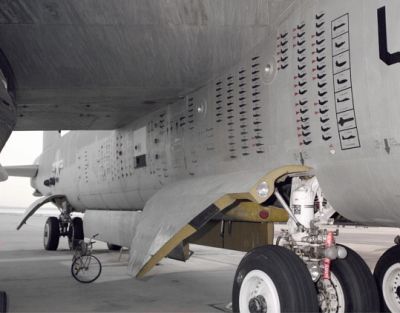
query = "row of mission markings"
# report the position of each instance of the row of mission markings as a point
(344, 104)
(238, 104)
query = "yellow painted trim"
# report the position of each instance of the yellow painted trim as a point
(249, 212)
(224, 202)
(184, 233)
(242, 196)
(272, 176)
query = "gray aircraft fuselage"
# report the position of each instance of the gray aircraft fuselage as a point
(319, 91)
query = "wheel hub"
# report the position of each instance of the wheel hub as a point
(258, 305)
(258, 290)
(396, 287)
(391, 287)
(46, 234)
(398, 291)
(330, 295)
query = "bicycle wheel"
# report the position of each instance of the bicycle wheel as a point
(86, 269)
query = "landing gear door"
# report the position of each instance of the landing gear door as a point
(140, 147)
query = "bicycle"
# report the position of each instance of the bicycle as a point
(85, 268)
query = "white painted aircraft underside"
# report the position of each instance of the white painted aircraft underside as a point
(187, 110)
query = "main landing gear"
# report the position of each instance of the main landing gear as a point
(387, 276)
(64, 226)
(273, 279)
(306, 271)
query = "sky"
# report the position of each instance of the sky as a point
(22, 148)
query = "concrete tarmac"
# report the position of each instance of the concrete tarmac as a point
(40, 281)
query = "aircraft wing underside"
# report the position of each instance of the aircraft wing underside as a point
(102, 64)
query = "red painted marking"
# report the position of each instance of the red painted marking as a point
(330, 240)
(263, 214)
(327, 269)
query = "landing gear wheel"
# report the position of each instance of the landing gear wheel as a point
(273, 279)
(3, 302)
(75, 233)
(113, 247)
(387, 276)
(351, 288)
(51, 236)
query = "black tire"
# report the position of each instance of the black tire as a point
(88, 275)
(75, 233)
(357, 282)
(388, 259)
(3, 302)
(113, 247)
(51, 236)
(289, 274)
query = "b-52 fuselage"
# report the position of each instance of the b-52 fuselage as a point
(303, 126)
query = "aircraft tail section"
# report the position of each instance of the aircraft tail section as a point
(50, 138)
(21, 170)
